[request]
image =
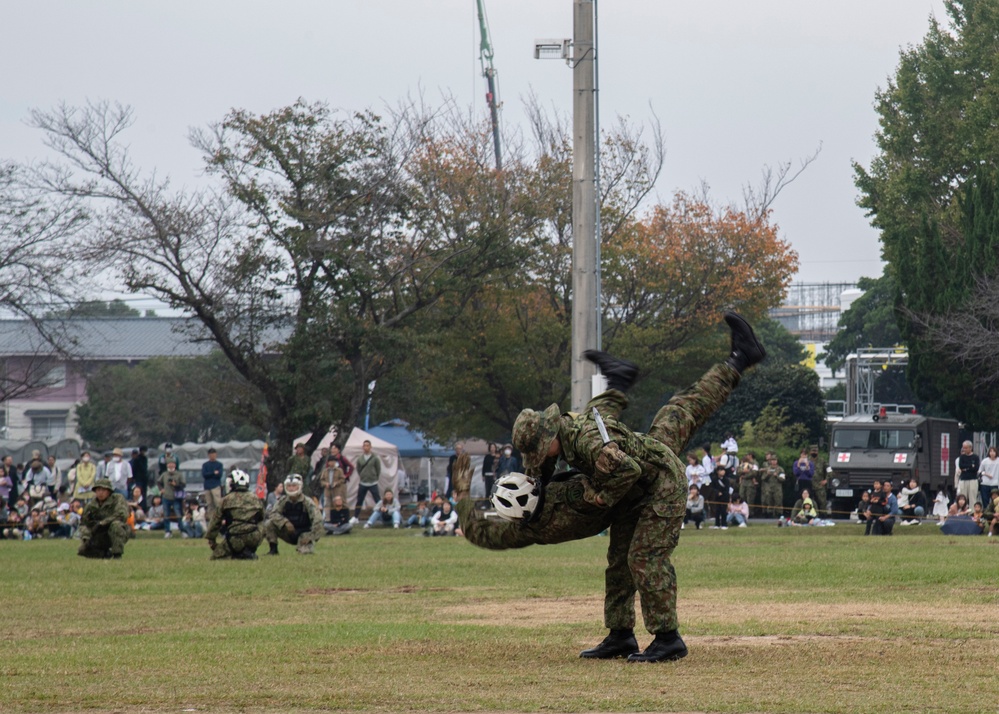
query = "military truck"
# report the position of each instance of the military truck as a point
(867, 448)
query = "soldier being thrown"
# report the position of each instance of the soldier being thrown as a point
(634, 483)
(294, 519)
(237, 520)
(103, 525)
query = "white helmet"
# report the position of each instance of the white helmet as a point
(240, 479)
(515, 497)
(293, 485)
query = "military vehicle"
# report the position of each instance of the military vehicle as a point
(867, 448)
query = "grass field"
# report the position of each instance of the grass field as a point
(777, 620)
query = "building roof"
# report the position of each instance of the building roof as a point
(105, 338)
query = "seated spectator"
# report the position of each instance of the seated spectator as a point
(978, 516)
(64, 524)
(445, 521)
(420, 519)
(339, 522)
(875, 509)
(193, 523)
(386, 511)
(911, 504)
(959, 507)
(36, 523)
(885, 523)
(156, 518)
(138, 505)
(13, 527)
(991, 514)
(803, 504)
(738, 512)
(695, 507)
(273, 497)
(940, 505)
(6, 485)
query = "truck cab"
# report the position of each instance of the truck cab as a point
(866, 448)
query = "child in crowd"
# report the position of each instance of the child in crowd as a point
(874, 510)
(738, 512)
(865, 501)
(940, 504)
(444, 521)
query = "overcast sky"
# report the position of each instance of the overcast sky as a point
(736, 84)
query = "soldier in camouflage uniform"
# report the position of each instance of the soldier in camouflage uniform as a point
(294, 519)
(749, 481)
(237, 520)
(819, 481)
(772, 478)
(635, 483)
(103, 525)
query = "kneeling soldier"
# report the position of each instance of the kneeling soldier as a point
(237, 520)
(103, 525)
(294, 519)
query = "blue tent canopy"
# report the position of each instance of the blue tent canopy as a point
(411, 443)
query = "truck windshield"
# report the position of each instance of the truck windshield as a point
(874, 439)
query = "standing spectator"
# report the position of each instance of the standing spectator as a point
(695, 506)
(507, 463)
(348, 468)
(320, 462)
(940, 504)
(102, 467)
(211, 474)
(86, 475)
(444, 522)
(6, 484)
(166, 457)
(772, 479)
(172, 489)
(54, 482)
(339, 520)
(369, 470)
(489, 464)
(966, 476)
(803, 472)
(749, 480)
(694, 471)
(273, 496)
(333, 483)
(718, 493)
(118, 472)
(459, 449)
(385, 511)
(738, 512)
(11, 469)
(298, 463)
(707, 461)
(820, 480)
(140, 468)
(988, 476)
(885, 523)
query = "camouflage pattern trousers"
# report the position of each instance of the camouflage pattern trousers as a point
(644, 527)
(237, 546)
(772, 501)
(103, 541)
(747, 492)
(302, 541)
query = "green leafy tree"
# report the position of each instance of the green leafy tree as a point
(869, 322)
(97, 308)
(170, 399)
(931, 192)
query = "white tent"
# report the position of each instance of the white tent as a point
(386, 452)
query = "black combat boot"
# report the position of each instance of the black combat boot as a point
(667, 646)
(620, 373)
(746, 349)
(619, 643)
(273, 550)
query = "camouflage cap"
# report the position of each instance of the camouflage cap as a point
(103, 483)
(533, 433)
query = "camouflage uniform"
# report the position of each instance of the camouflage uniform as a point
(818, 491)
(748, 482)
(237, 520)
(644, 499)
(300, 465)
(303, 515)
(772, 502)
(103, 526)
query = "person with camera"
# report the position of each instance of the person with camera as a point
(172, 485)
(803, 470)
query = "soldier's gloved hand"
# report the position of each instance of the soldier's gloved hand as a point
(609, 459)
(305, 539)
(289, 527)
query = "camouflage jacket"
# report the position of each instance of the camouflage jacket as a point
(240, 512)
(277, 516)
(770, 474)
(97, 514)
(581, 444)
